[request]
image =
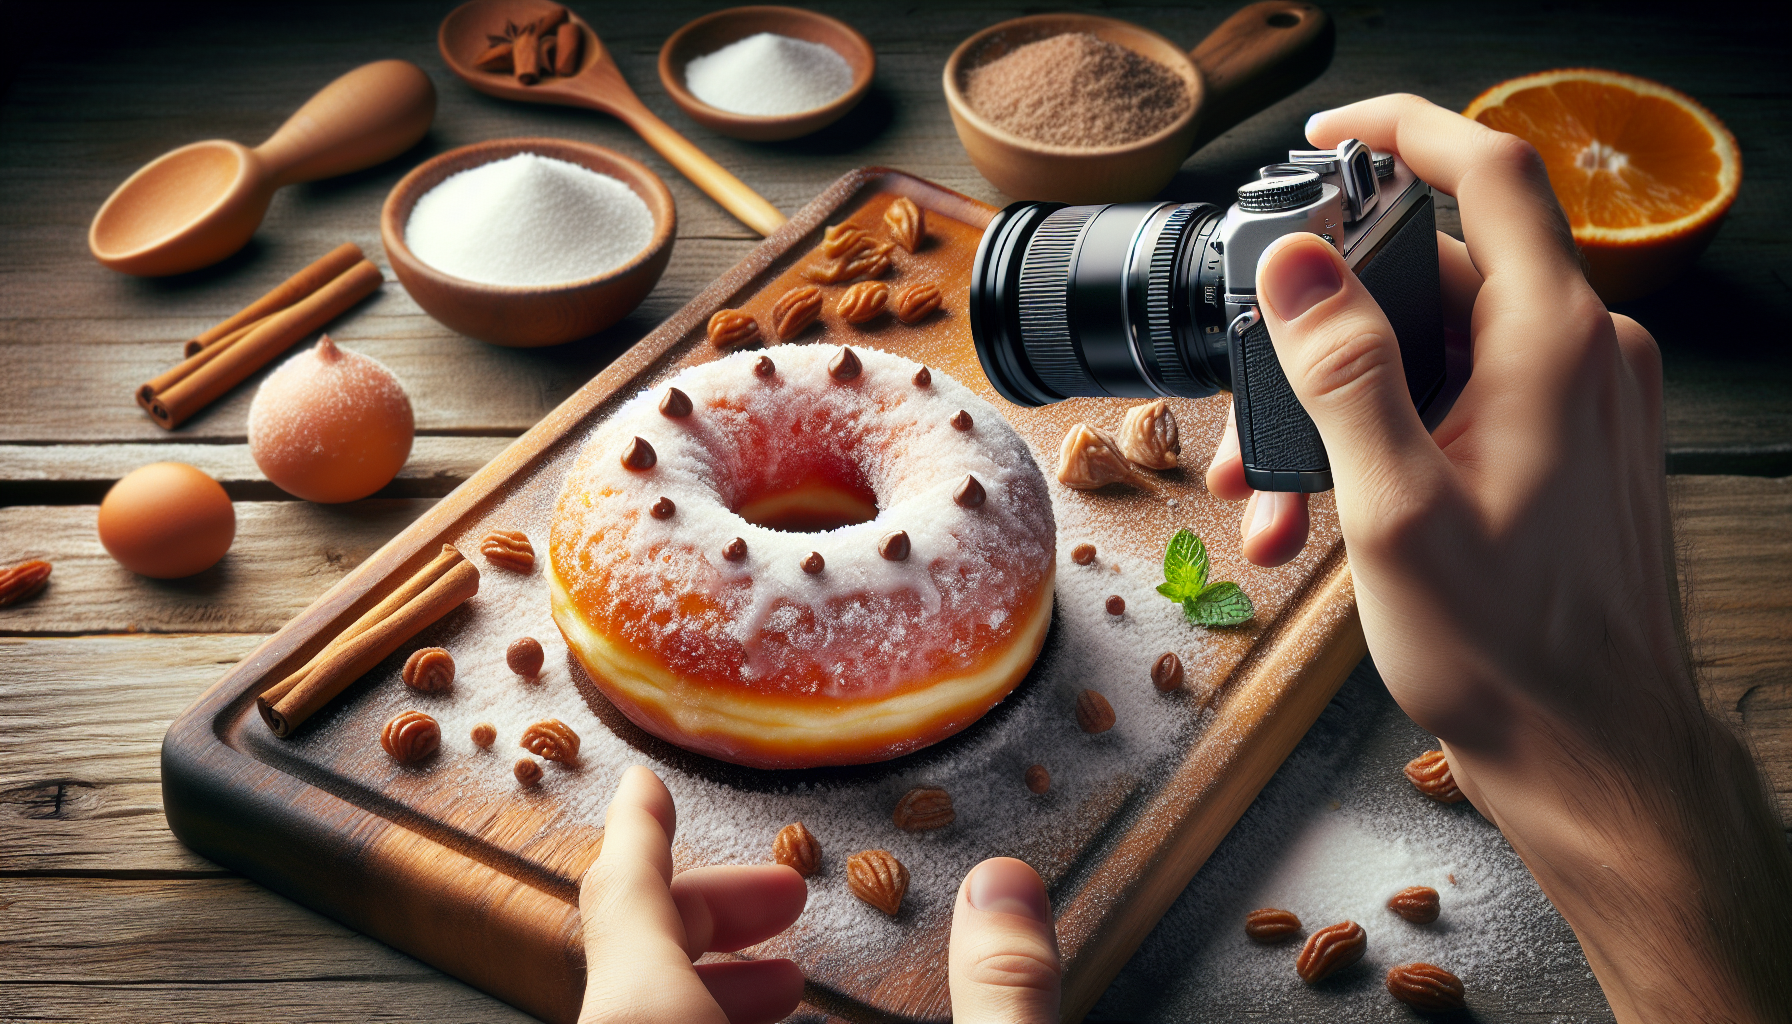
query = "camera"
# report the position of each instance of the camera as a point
(1140, 300)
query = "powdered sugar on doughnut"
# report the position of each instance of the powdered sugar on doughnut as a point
(863, 624)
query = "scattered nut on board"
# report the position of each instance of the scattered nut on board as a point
(552, 739)
(527, 771)
(23, 580)
(841, 240)
(923, 809)
(484, 735)
(906, 223)
(1148, 435)
(795, 310)
(878, 878)
(410, 737)
(862, 302)
(730, 328)
(1093, 712)
(1270, 925)
(1418, 904)
(1330, 950)
(428, 670)
(917, 302)
(1116, 605)
(1166, 672)
(796, 848)
(510, 549)
(524, 656)
(1038, 779)
(1083, 554)
(1425, 987)
(1429, 773)
(1089, 459)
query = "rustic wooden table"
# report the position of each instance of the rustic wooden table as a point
(103, 915)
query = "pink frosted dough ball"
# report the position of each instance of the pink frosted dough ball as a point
(330, 425)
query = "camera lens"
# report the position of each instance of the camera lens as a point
(1122, 300)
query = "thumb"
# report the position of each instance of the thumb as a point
(1343, 362)
(1004, 958)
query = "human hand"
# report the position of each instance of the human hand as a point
(1515, 577)
(1003, 965)
(644, 926)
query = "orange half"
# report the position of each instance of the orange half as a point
(1644, 172)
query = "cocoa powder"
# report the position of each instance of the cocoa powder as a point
(1077, 90)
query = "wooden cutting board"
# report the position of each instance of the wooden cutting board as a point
(457, 865)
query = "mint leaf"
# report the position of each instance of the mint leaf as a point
(1185, 567)
(1222, 604)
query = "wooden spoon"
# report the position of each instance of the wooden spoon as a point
(597, 84)
(195, 206)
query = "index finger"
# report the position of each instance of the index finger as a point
(1511, 221)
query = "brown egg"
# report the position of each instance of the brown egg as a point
(330, 425)
(167, 520)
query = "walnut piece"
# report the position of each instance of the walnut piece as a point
(878, 878)
(552, 739)
(510, 549)
(1330, 950)
(917, 302)
(1429, 773)
(484, 735)
(796, 848)
(906, 223)
(862, 302)
(923, 809)
(1418, 904)
(527, 771)
(730, 328)
(1089, 458)
(1425, 987)
(428, 670)
(1148, 435)
(410, 737)
(1093, 712)
(1270, 925)
(22, 580)
(795, 310)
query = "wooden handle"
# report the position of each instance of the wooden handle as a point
(1257, 56)
(367, 116)
(747, 206)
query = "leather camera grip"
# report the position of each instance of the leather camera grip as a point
(1280, 445)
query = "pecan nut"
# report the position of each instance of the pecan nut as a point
(1093, 712)
(1425, 987)
(510, 549)
(862, 302)
(524, 656)
(1330, 950)
(1148, 435)
(23, 580)
(906, 223)
(865, 258)
(730, 328)
(795, 310)
(1270, 925)
(923, 809)
(1417, 904)
(796, 848)
(552, 739)
(878, 878)
(1089, 459)
(917, 302)
(429, 670)
(1429, 773)
(841, 240)
(410, 737)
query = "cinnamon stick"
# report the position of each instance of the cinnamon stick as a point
(287, 292)
(525, 56)
(417, 584)
(549, 21)
(495, 57)
(567, 41)
(350, 661)
(195, 383)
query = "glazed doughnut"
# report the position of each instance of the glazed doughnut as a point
(725, 566)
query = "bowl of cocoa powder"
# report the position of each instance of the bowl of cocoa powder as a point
(1074, 108)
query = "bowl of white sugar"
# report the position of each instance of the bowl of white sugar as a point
(766, 73)
(528, 242)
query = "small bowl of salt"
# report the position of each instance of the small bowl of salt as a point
(765, 74)
(528, 242)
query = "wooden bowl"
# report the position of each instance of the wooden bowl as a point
(519, 316)
(711, 32)
(1026, 169)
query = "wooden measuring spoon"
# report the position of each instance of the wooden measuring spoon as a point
(597, 84)
(195, 206)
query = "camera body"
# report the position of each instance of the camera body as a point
(1159, 299)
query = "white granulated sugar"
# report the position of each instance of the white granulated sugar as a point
(767, 75)
(528, 221)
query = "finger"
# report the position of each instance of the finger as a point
(1460, 282)
(1340, 356)
(1225, 474)
(1003, 964)
(1510, 217)
(729, 907)
(1274, 527)
(753, 991)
